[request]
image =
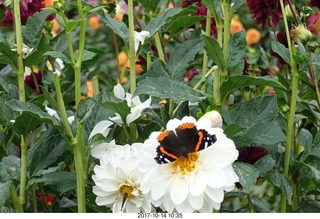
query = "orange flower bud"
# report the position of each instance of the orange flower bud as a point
(94, 22)
(236, 26)
(253, 36)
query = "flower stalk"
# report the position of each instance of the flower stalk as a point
(20, 76)
(132, 53)
(205, 56)
(293, 102)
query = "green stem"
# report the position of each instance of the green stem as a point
(293, 101)
(204, 77)
(148, 60)
(15, 199)
(205, 56)
(61, 106)
(80, 168)
(226, 34)
(34, 198)
(159, 47)
(253, 210)
(132, 53)
(23, 170)
(171, 108)
(77, 67)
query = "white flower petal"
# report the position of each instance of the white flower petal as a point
(196, 202)
(102, 127)
(106, 200)
(140, 38)
(119, 92)
(52, 112)
(179, 190)
(197, 183)
(215, 195)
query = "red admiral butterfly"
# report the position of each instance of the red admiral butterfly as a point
(186, 139)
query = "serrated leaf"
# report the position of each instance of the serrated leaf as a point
(7, 56)
(281, 50)
(156, 70)
(24, 123)
(10, 168)
(264, 133)
(87, 55)
(6, 114)
(84, 109)
(236, 51)
(181, 56)
(119, 27)
(214, 7)
(182, 23)
(166, 88)
(247, 174)
(265, 164)
(70, 25)
(45, 151)
(32, 31)
(58, 55)
(33, 110)
(255, 111)
(281, 181)
(63, 181)
(237, 81)
(315, 172)
(36, 56)
(5, 192)
(214, 52)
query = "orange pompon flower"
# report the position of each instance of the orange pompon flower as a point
(122, 80)
(49, 3)
(236, 26)
(94, 22)
(55, 27)
(89, 87)
(253, 36)
(124, 62)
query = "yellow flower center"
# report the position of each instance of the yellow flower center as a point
(187, 165)
(126, 190)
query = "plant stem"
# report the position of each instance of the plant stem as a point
(159, 47)
(61, 106)
(205, 56)
(132, 53)
(20, 76)
(80, 168)
(293, 101)
(204, 77)
(226, 34)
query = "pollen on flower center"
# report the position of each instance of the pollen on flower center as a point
(187, 165)
(126, 190)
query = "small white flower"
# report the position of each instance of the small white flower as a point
(192, 182)
(57, 66)
(102, 127)
(52, 112)
(140, 38)
(134, 103)
(117, 180)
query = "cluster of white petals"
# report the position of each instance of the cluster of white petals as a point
(117, 179)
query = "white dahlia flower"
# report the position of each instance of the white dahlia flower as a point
(187, 167)
(117, 180)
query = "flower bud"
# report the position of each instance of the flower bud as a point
(213, 117)
(301, 33)
(289, 13)
(60, 6)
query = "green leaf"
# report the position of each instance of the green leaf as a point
(236, 51)
(5, 192)
(34, 111)
(281, 181)
(264, 133)
(70, 25)
(315, 172)
(58, 55)
(233, 129)
(6, 113)
(255, 111)
(10, 168)
(25, 124)
(87, 55)
(236, 82)
(169, 16)
(247, 174)
(181, 56)
(214, 52)
(45, 151)
(36, 56)
(32, 31)
(63, 181)
(156, 70)
(165, 88)
(119, 27)
(214, 7)
(182, 23)
(7, 56)
(281, 50)
(265, 164)
(85, 109)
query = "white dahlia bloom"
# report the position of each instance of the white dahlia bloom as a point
(188, 167)
(117, 180)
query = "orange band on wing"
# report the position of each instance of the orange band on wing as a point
(199, 141)
(162, 150)
(163, 135)
(187, 125)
